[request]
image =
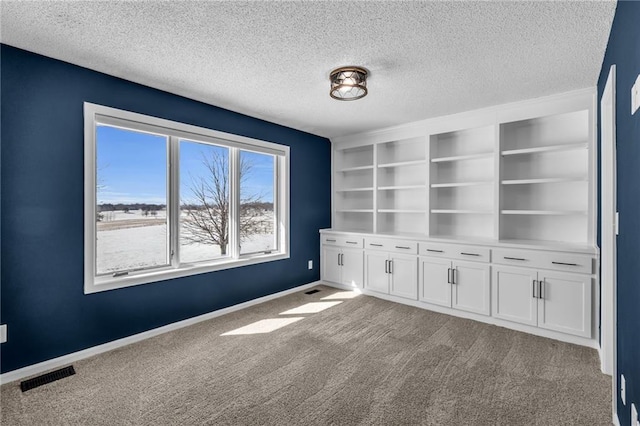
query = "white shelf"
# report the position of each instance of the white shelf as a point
(400, 211)
(354, 169)
(458, 211)
(463, 157)
(543, 180)
(392, 188)
(403, 163)
(546, 212)
(550, 148)
(354, 211)
(459, 184)
(355, 189)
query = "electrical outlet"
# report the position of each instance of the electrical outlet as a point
(635, 421)
(311, 264)
(623, 389)
(3, 333)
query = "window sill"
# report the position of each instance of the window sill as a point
(104, 283)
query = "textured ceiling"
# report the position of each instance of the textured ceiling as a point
(272, 59)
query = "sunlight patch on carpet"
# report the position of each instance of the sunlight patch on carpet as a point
(263, 326)
(310, 308)
(343, 295)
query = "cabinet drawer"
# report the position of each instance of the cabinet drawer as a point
(342, 241)
(472, 253)
(397, 246)
(568, 262)
(526, 258)
(437, 250)
(546, 260)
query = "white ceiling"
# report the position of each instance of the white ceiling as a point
(272, 60)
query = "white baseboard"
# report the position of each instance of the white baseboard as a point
(41, 367)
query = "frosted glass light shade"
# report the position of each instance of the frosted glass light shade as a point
(348, 83)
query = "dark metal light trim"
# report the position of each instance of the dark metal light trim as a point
(348, 83)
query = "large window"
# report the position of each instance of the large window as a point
(166, 199)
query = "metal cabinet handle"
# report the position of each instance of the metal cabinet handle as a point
(391, 266)
(565, 264)
(514, 258)
(435, 251)
(534, 284)
(403, 247)
(453, 276)
(330, 241)
(386, 266)
(352, 242)
(470, 254)
(449, 276)
(541, 289)
(375, 245)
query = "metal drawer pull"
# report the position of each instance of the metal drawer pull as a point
(565, 264)
(352, 242)
(403, 247)
(540, 290)
(449, 276)
(470, 254)
(514, 258)
(534, 288)
(330, 241)
(375, 245)
(386, 266)
(435, 251)
(453, 275)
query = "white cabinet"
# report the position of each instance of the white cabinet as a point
(471, 287)
(391, 273)
(342, 260)
(551, 300)
(457, 284)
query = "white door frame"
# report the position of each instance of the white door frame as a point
(608, 235)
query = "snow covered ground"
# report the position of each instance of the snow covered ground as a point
(128, 241)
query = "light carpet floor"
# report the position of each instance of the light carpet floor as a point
(363, 361)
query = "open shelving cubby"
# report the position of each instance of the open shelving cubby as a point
(544, 178)
(462, 183)
(402, 186)
(353, 183)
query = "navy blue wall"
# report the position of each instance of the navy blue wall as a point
(42, 213)
(623, 50)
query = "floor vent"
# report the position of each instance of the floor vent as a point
(312, 291)
(47, 378)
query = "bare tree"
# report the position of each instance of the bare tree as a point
(207, 220)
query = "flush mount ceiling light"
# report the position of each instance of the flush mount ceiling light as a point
(348, 83)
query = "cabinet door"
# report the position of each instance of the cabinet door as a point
(331, 269)
(471, 288)
(375, 271)
(352, 268)
(513, 294)
(404, 276)
(434, 281)
(565, 303)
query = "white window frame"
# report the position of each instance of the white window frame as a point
(98, 114)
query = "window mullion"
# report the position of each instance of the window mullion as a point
(234, 203)
(173, 200)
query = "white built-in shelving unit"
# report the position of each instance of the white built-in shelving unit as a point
(544, 193)
(522, 172)
(462, 183)
(488, 214)
(354, 183)
(401, 197)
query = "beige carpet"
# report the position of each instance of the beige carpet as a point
(363, 361)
